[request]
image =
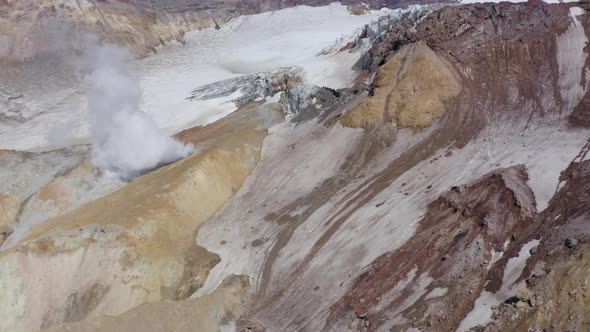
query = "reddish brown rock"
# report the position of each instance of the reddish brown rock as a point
(451, 250)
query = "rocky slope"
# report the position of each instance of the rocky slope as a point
(446, 189)
(146, 237)
(500, 101)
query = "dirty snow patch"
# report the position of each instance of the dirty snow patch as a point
(481, 313)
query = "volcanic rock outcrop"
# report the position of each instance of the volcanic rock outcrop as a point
(410, 90)
(445, 189)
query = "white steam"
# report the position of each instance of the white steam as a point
(124, 139)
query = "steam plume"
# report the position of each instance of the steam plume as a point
(125, 140)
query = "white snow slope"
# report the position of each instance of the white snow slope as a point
(52, 110)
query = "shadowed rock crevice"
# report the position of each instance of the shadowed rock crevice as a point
(208, 313)
(80, 304)
(197, 264)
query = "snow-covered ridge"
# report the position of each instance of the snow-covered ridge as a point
(363, 38)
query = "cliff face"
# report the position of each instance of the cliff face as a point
(30, 28)
(445, 189)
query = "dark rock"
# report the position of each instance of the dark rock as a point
(570, 243)
(512, 300)
(15, 97)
